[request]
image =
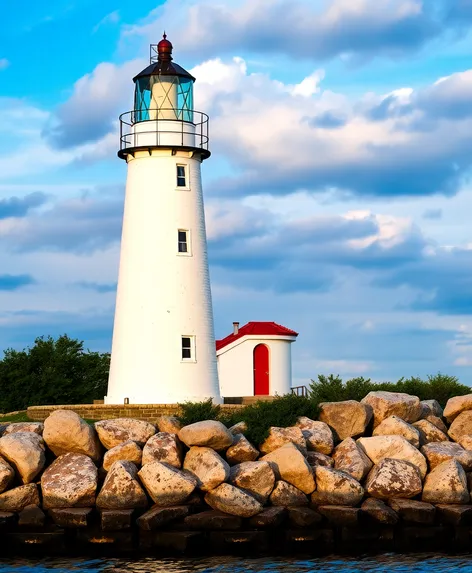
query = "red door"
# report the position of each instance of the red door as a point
(261, 370)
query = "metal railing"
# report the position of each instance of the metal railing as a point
(300, 391)
(147, 128)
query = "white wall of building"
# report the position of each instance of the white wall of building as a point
(236, 366)
(162, 295)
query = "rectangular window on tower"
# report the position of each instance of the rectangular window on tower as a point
(188, 348)
(183, 242)
(181, 177)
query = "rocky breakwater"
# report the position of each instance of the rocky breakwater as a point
(389, 472)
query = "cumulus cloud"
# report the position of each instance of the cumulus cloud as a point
(297, 28)
(20, 206)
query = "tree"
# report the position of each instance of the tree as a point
(52, 372)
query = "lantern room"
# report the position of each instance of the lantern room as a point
(163, 114)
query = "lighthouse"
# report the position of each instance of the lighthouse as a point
(163, 347)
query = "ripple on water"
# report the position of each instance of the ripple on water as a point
(389, 563)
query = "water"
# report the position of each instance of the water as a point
(380, 564)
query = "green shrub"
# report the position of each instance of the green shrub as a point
(198, 411)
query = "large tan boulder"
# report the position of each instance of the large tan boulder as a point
(165, 484)
(378, 511)
(65, 431)
(36, 427)
(257, 478)
(348, 457)
(241, 451)
(287, 495)
(440, 425)
(429, 432)
(432, 408)
(462, 426)
(290, 466)
(334, 487)
(121, 489)
(395, 426)
(7, 475)
(466, 442)
(24, 451)
(348, 419)
(230, 499)
(239, 428)
(317, 459)
(395, 447)
(318, 435)
(163, 447)
(394, 478)
(169, 424)
(18, 498)
(386, 404)
(114, 432)
(457, 405)
(128, 451)
(446, 483)
(207, 434)
(207, 466)
(70, 481)
(438, 452)
(278, 437)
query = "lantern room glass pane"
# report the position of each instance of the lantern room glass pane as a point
(171, 94)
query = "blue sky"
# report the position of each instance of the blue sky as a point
(338, 194)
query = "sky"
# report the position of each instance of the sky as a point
(338, 195)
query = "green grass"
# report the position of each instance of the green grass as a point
(21, 417)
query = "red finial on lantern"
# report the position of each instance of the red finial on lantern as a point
(164, 48)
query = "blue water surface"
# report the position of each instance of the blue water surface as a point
(382, 564)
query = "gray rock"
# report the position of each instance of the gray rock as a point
(257, 478)
(241, 451)
(446, 483)
(348, 419)
(25, 453)
(287, 495)
(229, 499)
(348, 457)
(163, 447)
(318, 435)
(121, 489)
(290, 466)
(128, 451)
(207, 434)
(112, 433)
(386, 404)
(166, 485)
(207, 466)
(394, 478)
(334, 487)
(66, 432)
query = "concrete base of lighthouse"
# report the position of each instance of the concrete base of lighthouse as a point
(163, 295)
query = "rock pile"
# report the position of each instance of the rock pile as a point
(388, 457)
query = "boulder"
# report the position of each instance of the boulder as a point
(7, 475)
(318, 435)
(317, 459)
(165, 484)
(257, 478)
(457, 405)
(36, 427)
(207, 466)
(128, 451)
(70, 481)
(241, 451)
(116, 519)
(394, 478)
(341, 516)
(66, 432)
(395, 447)
(278, 437)
(466, 442)
(303, 517)
(432, 408)
(207, 434)
(290, 466)
(20, 497)
(440, 425)
(429, 432)
(158, 516)
(348, 419)
(114, 432)
(31, 516)
(25, 453)
(269, 517)
(446, 483)
(348, 457)
(462, 426)
(456, 515)
(378, 511)
(229, 499)
(169, 424)
(121, 489)
(213, 521)
(438, 452)
(395, 426)
(163, 447)
(287, 495)
(72, 517)
(239, 428)
(386, 404)
(334, 487)
(413, 511)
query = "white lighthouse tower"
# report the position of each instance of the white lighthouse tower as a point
(163, 339)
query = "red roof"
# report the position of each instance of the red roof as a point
(256, 329)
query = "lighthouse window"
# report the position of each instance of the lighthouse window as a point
(181, 177)
(183, 241)
(188, 348)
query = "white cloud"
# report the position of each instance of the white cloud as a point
(111, 18)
